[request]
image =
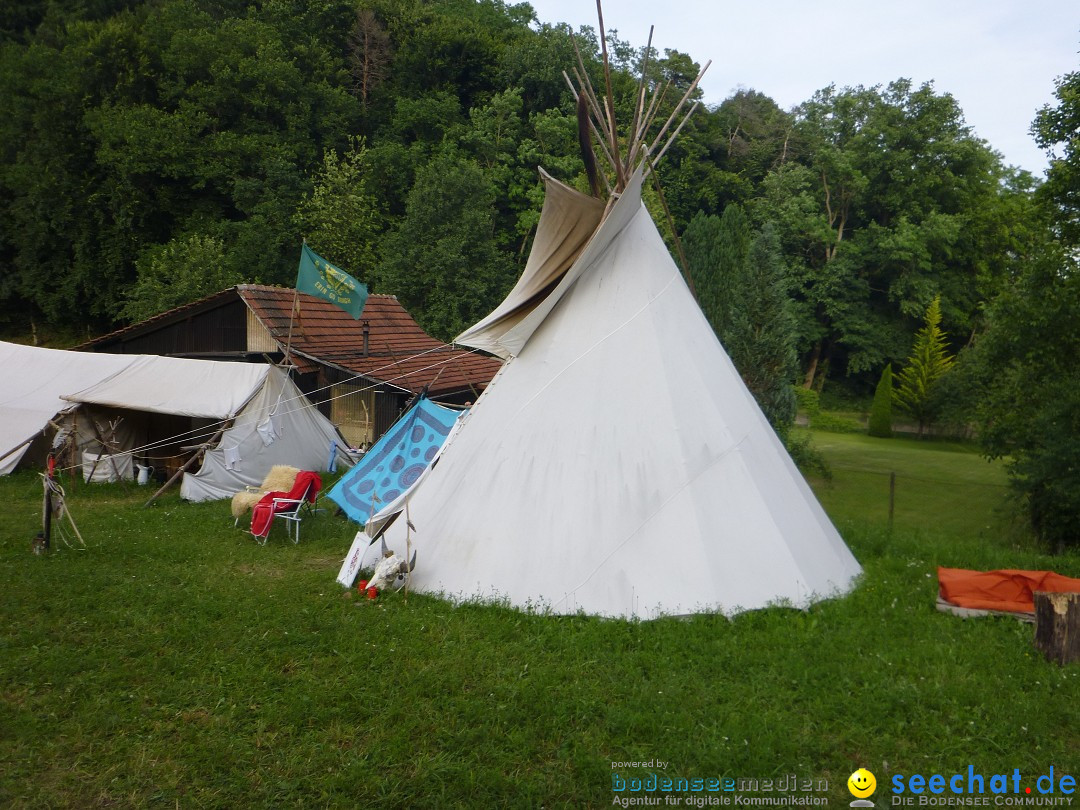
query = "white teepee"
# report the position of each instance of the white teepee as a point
(617, 464)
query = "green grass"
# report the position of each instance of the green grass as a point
(176, 663)
(941, 486)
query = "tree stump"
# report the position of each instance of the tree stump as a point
(1057, 626)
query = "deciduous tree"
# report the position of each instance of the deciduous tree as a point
(1030, 403)
(184, 270)
(442, 260)
(340, 219)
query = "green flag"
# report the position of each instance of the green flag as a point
(320, 278)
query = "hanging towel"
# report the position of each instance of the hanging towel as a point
(232, 457)
(268, 430)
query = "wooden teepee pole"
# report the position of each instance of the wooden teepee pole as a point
(674, 135)
(679, 106)
(640, 106)
(659, 93)
(593, 128)
(674, 235)
(582, 76)
(658, 96)
(620, 169)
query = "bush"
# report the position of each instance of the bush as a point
(1030, 409)
(881, 411)
(171, 275)
(960, 393)
(807, 457)
(836, 423)
(808, 401)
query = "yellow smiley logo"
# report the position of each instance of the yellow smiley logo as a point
(861, 783)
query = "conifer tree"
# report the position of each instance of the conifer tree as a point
(716, 250)
(881, 410)
(761, 330)
(927, 364)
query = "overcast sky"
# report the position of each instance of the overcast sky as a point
(998, 58)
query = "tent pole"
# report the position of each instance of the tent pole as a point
(408, 548)
(675, 235)
(108, 452)
(609, 105)
(73, 445)
(640, 108)
(196, 456)
(46, 515)
(19, 447)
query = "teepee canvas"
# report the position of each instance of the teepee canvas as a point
(617, 465)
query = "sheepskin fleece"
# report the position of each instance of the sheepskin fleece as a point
(280, 479)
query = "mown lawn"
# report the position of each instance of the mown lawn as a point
(176, 663)
(940, 486)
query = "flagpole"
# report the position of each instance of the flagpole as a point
(292, 314)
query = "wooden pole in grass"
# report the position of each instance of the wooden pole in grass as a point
(1057, 626)
(107, 449)
(46, 515)
(19, 447)
(892, 497)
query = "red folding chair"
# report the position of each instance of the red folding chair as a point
(288, 506)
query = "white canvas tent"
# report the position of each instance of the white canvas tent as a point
(297, 433)
(617, 465)
(267, 419)
(34, 381)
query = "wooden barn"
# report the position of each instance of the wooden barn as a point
(360, 373)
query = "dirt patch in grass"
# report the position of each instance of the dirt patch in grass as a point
(261, 569)
(322, 562)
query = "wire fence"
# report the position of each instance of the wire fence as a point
(931, 501)
(920, 478)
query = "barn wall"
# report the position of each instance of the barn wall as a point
(218, 330)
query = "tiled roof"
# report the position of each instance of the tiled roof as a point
(399, 351)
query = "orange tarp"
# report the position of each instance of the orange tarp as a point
(1005, 590)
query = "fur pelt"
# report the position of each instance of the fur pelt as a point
(280, 479)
